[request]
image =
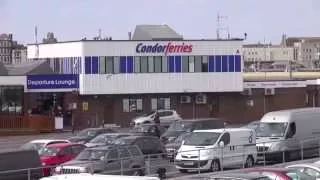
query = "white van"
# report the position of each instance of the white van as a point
(281, 134)
(85, 176)
(217, 148)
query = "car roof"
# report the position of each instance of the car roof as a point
(201, 119)
(270, 169)
(83, 176)
(115, 134)
(225, 130)
(62, 145)
(311, 165)
(45, 141)
(110, 147)
(135, 136)
(238, 176)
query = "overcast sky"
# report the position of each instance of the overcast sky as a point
(75, 19)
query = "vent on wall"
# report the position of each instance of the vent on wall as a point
(269, 91)
(185, 99)
(201, 99)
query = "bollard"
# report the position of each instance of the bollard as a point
(29, 174)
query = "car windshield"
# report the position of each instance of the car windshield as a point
(105, 139)
(34, 146)
(148, 114)
(91, 155)
(180, 138)
(87, 132)
(296, 175)
(48, 151)
(124, 141)
(271, 129)
(180, 126)
(202, 138)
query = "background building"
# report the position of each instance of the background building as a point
(6, 43)
(19, 53)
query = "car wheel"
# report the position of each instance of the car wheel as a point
(215, 166)
(249, 162)
(183, 170)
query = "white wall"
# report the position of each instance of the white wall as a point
(68, 49)
(160, 83)
(128, 48)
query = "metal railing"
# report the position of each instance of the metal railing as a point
(228, 157)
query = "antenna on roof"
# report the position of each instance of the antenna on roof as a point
(37, 45)
(220, 26)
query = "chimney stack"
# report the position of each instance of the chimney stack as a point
(129, 35)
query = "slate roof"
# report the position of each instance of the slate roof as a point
(29, 68)
(155, 32)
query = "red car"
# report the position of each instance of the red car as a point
(56, 154)
(281, 173)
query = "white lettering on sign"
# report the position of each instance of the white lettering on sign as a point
(51, 82)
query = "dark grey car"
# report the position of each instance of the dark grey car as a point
(86, 135)
(113, 159)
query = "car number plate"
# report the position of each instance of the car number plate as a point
(188, 163)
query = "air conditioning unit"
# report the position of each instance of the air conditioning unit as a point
(201, 99)
(247, 92)
(269, 91)
(185, 99)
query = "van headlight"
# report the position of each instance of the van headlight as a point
(275, 147)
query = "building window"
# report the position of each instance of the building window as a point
(197, 64)
(144, 64)
(164, 63)
(132, 105)
(204, 66)
(157, 64)
(137, 64)
(11, 99)
(116, 64)
(191, 63)
(102, 65)
(160, 103)
(109, 65)
(150, 64)
(185, 63)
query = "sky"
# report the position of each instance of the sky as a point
(262, 20)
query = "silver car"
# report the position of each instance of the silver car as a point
(113, 159)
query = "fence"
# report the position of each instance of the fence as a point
(201, 159)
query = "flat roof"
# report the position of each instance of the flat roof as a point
(119, 40)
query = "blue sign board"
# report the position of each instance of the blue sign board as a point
(56, 81)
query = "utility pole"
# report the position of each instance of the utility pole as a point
(221, 27)
(37, 45)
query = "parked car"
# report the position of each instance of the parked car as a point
(148, 129)
(86, 135)
(20, 159)
(110, 159)
(86, 176)
(173, 146)
(229, 176)
(281, 133)
(56, 154)
(281, 173)
(166, 117)
(202, 149)
(311, 169)
(41, 143)
(153, 150)
(179, 127)
(106, 139)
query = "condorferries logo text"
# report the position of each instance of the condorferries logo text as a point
(166, 48)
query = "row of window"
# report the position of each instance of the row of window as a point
(162, 64)
(136, 104)
(11, 99)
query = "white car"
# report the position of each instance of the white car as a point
(311, 169)
(41, 143)
(86, 176)
(166, 117)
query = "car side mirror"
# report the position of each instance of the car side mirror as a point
(221, 144)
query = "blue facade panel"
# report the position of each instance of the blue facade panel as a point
(95, 65)
(171, 63)
(231, 63)
(237, 63)
(224, 63)
(218, 63)
(130, 64)
(87, 67)
(123, 64)
(177, 60)
(211, 64)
